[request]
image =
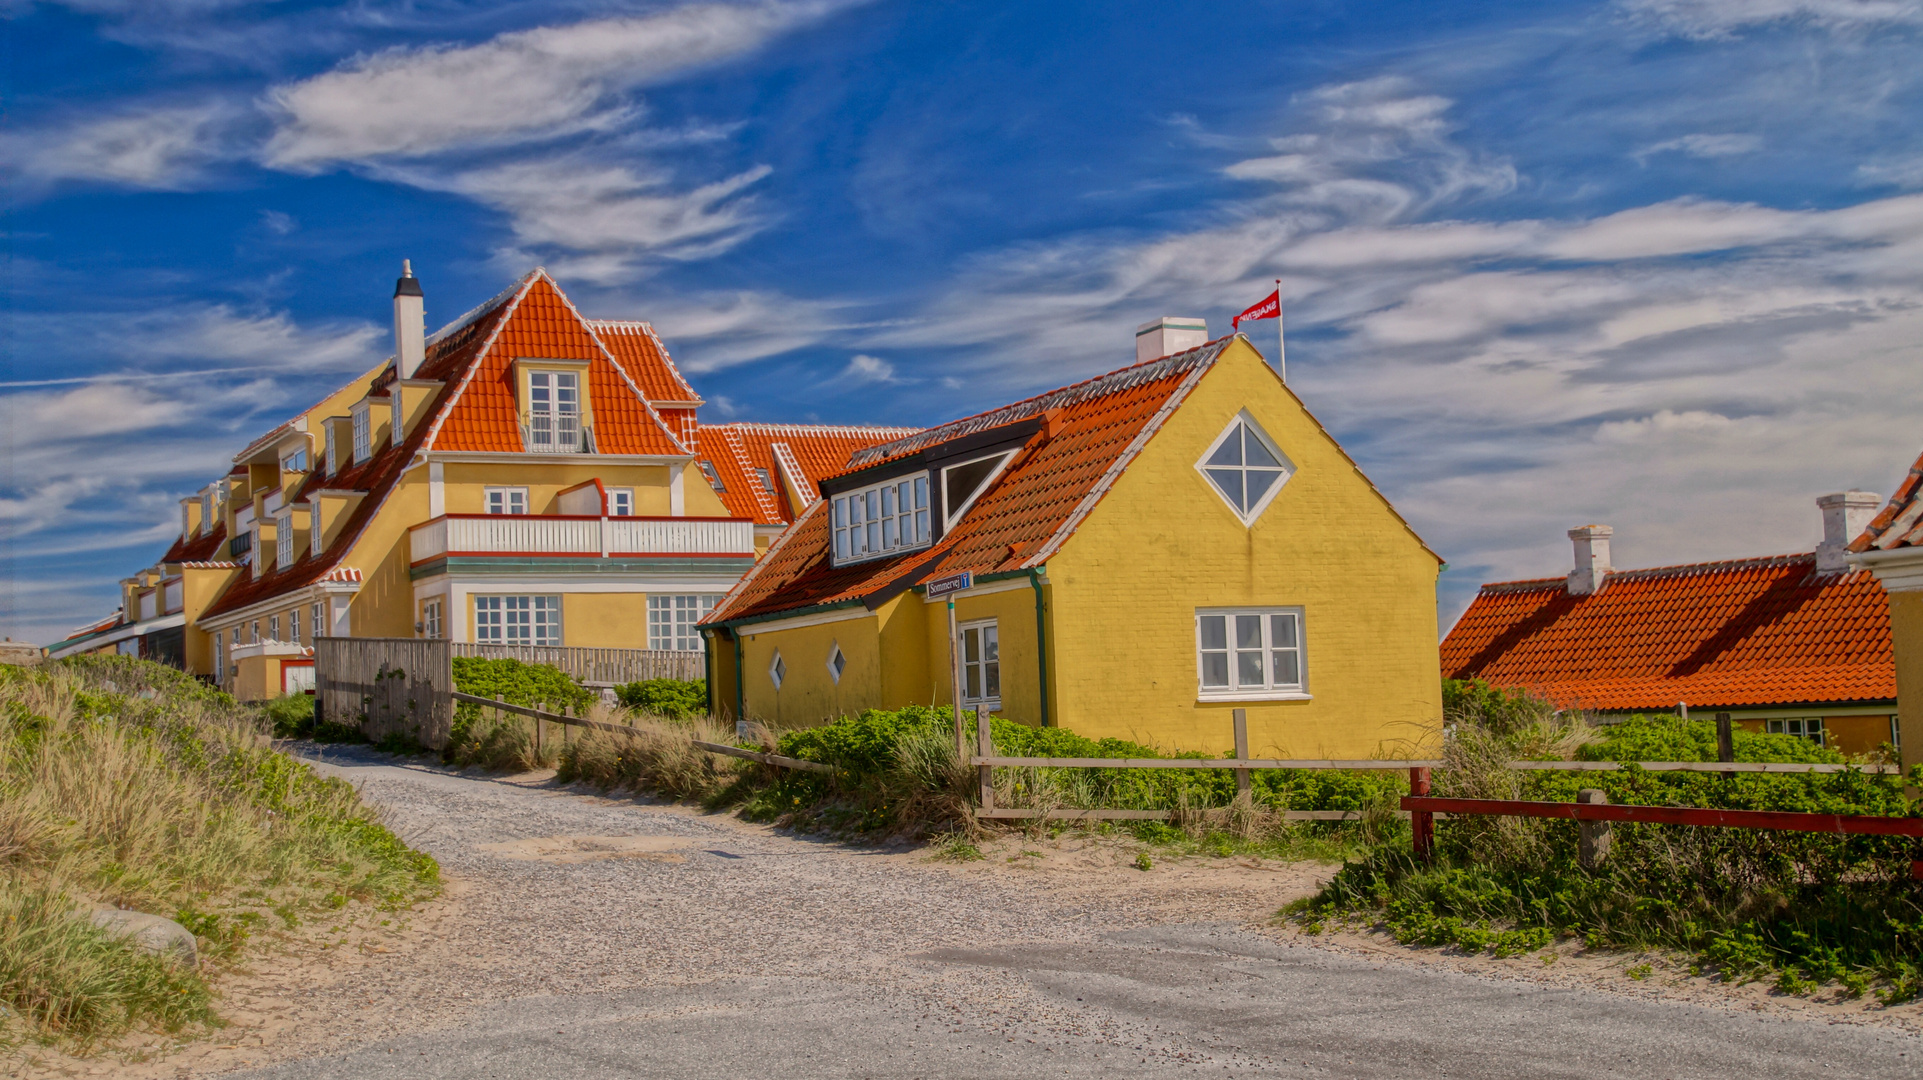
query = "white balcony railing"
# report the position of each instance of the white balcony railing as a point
(525, 534)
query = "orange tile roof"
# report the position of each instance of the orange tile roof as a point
(1089, 434)
(1900, 524)
(636, 348)
(1751, 632)
(819, 450)
(199, 548)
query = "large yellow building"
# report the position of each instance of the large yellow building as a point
(523, 476)
(1148, 550)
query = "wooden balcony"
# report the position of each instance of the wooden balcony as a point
(559, 536)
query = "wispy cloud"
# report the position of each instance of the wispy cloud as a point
(1701, 145)
(1709, 19)
(163, 147)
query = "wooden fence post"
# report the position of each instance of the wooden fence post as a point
(1422, 822)
(1725, 739)
(1592, 837)
(985, 747)
(1241, 716)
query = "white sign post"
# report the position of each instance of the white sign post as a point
(948, 586)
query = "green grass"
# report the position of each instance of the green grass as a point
(133, 785)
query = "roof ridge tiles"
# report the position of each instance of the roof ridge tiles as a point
(1677, 570)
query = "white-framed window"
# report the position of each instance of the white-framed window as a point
(284, 541)
(517, 620)
(1249, 652)
(1245, 467)
(767, 481)
(1803, 727)
(236, 637)
(220, 659)
(333, 453)
(778, 669)
(256, 631)
(320, 623)
(206, 513)
(981, 656)
(363, 433)
(837, 662)
(672, 619)
(273, 627)
(432, 623)
(293, 626)
(295, 462)
(507, 500)
(882, 519)
(714, 478)
(963, 483)
(620, 502)
(554, 411)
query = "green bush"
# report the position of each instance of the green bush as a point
(676, 699)
(537, 685)
(290, 716)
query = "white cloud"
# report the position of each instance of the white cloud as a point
(712, 331)
(202, 336)
(1702, 146)
(529, 84)
(1723, 18)
(165, 147)
(863, 368)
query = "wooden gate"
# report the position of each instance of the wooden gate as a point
(386, 686)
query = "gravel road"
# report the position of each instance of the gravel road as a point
(592, 937)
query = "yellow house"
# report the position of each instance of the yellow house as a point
(1891, 547)
(1146, 551)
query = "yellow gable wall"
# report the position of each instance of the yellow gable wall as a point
(1162, 543)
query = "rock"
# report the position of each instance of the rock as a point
(151, 932)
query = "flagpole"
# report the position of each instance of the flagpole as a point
(1281, 356)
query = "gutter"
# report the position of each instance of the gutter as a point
(1041, 639)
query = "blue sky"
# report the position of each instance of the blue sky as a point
(1655, 263)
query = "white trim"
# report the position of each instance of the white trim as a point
(164, 622)
(1899, 569)
(1288, 467)
(1253, 695)
(677, 493)
(776, 625)
(834, 650)
(306, 594)
(1299, 692)
(948, 517)
(992, 704)
(436, 489)
(622, 583)
(989, 589)
(490, 457)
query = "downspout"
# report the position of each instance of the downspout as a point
(740, 701)
(1041, 638)
(707, 666)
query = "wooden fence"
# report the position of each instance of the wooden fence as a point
(598, 667)
(386, 686)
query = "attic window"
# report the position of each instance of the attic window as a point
(714, 478)
(837, 662)
(882, 519)
(767, 481)
(295, 462)
(1245, 467)
(554, 412)
(363, 433)
(962, 484)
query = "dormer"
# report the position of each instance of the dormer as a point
(556, 413)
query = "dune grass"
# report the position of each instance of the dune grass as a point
(129, 784)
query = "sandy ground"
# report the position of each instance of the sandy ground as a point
(553, 893)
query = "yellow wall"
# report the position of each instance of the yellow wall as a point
(257, 678)
(1906, 631)
(603, 620)
(1121, 596)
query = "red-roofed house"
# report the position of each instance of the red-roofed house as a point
(524, 476)
(1147, 550)
(1796, 644)
(1891, 547)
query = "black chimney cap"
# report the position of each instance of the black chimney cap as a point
(408, 284)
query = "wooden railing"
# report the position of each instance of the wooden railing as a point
(562, 535)
(598, 667)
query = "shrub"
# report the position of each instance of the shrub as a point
(506, 679)
(676, 699)
(290, 716)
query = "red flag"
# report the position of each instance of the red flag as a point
(1269, 307)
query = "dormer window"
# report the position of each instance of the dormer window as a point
(962, 484)
(1245, 467)
(882, 519)
(284, 541)
(363, 433)
(554, 412)
(294, 462)
(206, 513)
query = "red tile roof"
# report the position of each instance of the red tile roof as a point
(1900, 524)
(198, 548)
(637, 350)
(1746, 633)
(1090, 432)
(818, 450)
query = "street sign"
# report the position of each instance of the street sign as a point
(952, 583)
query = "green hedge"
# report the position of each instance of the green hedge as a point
(676, 699)
(509, 680)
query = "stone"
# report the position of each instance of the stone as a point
(151, 933)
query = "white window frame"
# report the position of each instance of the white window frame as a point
(620, 502)
(554, 411)
(333, 453)
(507, 498)
(293, 626)
(868, 522)
(320, 620)
(835, 653)
(433, 618)
(1230, 648)
(951, 515)
(1235, 427)
(767, 480)
(206, 513)
(989, 638)
(777, 669)
(517, 619)
(714, 478)
(672, 618)
(363, 433)
(284, 541)
(273, 627)
(1801, 727)
(294, 462)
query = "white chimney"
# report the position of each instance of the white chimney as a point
(1592, 559)
(410, 324)
(1845, 515)
(1169, 335)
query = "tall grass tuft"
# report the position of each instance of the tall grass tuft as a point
(655, 756)
(128, 784)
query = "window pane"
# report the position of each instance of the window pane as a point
(1258, 455)
(874, 536)
(1230, 483)
(921, 526)
(889, 538)
(1248, 669)
(1282, 631)
(1230, 452)
(1260, 481)
(874, 505)
(1215, 669)
(888, 502)
(841, 543)
(841, 513)
(921, 492)
(1214, 631)
(992, 644)
(1248, 631)
(1287, 666)
(972, 682)
(963, 481)
(971, 646)
(993, 679)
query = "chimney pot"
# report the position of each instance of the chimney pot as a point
(1845, 515)
(1592, 559)
(410, 323)
(1169, 335)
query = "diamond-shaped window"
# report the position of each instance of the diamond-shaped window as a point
(837, 662)
(1245, 467)
(778, 670)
